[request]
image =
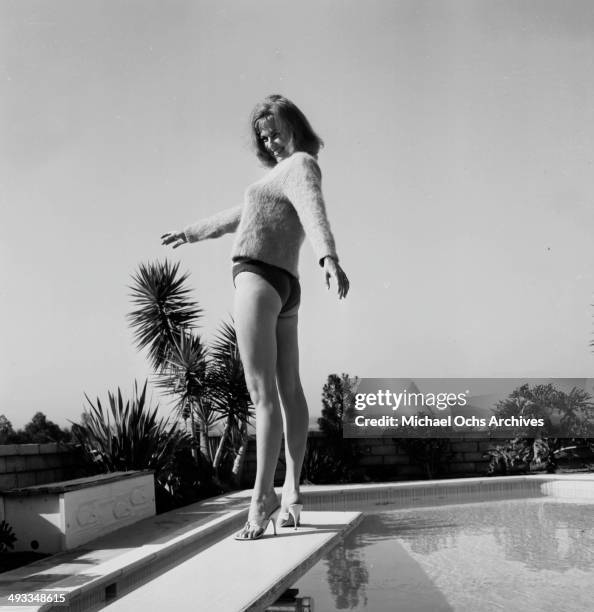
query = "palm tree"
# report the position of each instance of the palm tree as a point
(536, 402)
(576, 408)
(185, 376)
(568, 413)
(231, 399)
(163, 323)
(208, 385)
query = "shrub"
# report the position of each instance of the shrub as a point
(338, 461)
(521, 455)
(432, 454)
(319, 467)
(512, 457)
(129, 436)
(7, 537)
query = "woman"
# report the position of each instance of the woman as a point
(278, 211)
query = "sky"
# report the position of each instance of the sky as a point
(457, 174)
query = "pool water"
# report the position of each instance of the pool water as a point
(512, 555)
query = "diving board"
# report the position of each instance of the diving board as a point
(233, 576)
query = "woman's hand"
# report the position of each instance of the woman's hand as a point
(178, 238)
(333, 270)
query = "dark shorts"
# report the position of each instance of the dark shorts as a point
(286, 285)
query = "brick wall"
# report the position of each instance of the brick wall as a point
(385, 459)
(24, 465)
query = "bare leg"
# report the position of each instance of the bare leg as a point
(294, 404)
(257, 306)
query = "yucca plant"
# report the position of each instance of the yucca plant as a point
(164, 309)
(163, 323)
(208, 386)
(129, 436)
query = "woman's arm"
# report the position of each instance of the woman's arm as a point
(221, 223)
(303, 187)
(214, 226)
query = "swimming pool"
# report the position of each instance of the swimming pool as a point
(522, 552)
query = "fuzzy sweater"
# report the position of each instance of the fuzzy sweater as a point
(278, 211)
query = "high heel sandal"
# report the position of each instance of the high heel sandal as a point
(272, 516)
(292, 516)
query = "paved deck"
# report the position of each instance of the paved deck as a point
(109, 567)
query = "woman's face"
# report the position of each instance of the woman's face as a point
(276, 138)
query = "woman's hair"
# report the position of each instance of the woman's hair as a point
(283, 110)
